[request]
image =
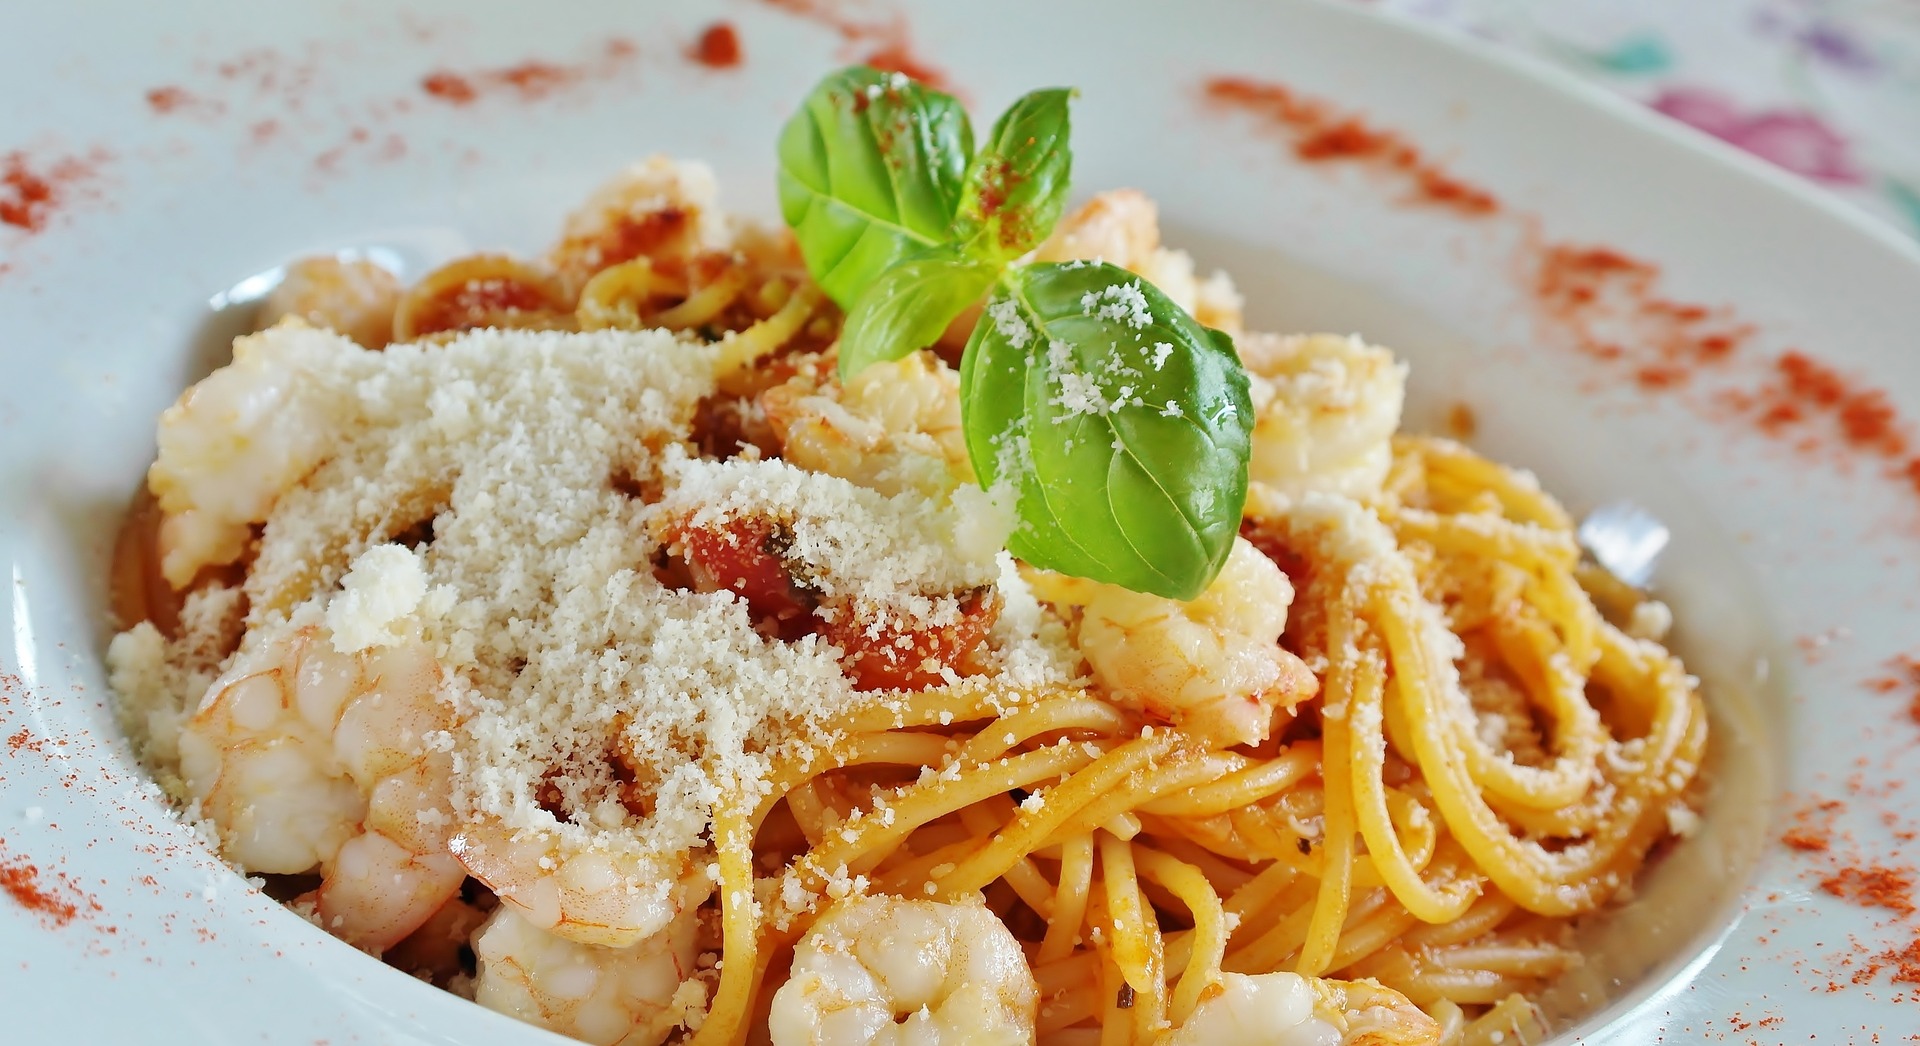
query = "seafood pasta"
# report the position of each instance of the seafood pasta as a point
(620, 640)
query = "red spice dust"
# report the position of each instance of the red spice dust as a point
(1609, 306)
(22, 881)
(449, 87)
(896, 57)
(1461, 422)
(287, 96)
(1902, 963)
(168, 99)
(1661, 376)
(885, 45)
(1814, 403)
(827, 13)
(23, 740)
(31, 192)
(527, 81)
(1843, 871)
(1903, 676)
(1605, 298)
(1812, 829)
(1806, 840)
(718, 47)
(26, 198)
(1873, 886)
(1320, 134)
(171, 99)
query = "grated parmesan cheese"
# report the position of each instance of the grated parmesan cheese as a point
(1651, 620)
(1119, 302)
(1007, 320)
(505, 460)
(382, 590)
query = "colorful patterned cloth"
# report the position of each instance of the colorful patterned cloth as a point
(1828, 89)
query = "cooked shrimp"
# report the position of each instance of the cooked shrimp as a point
(591, 896)
(1213, 665)
(894, 428)
(886, 970)
(1118, 226)
(1122, 227)
(1326, 408)
(1370, 1014)
(599, 995)
(432, 952)
(659, 208)
(237, 440)
(306, 757)
(1286, 1009)
(354, 297)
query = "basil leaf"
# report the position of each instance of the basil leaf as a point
(1123, 422)
(870, 170)
(910, 305)
(1017, 186)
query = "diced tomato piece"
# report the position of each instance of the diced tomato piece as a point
(742, 556)
(912, 660)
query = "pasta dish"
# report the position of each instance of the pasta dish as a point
(850, 632)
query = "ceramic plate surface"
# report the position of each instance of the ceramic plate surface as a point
(195, 146)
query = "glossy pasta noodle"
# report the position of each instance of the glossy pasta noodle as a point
(1356, 792)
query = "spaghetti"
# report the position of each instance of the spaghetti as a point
(1447, 755)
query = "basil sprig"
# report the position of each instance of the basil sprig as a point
(1120, 423)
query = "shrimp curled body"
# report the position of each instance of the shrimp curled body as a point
(1326, 409)
(353, 296)
(304, 757)
(894, 427)
(1286, 1009)
(606, 897)
(593, 993)
(1213, 665)
(880, 970)
(236, 441)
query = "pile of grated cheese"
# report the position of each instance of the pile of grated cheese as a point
(479, 493)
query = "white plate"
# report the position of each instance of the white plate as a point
(105, 315)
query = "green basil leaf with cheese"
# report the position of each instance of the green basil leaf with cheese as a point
(1017, 186)
(871, 168)
(910, 305)
(1122, 424)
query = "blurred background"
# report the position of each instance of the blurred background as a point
(1827, 89)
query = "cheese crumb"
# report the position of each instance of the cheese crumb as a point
(1651, 619)
(1682, 820)
(1007, 320)
(381, 591)
(1121, 302)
